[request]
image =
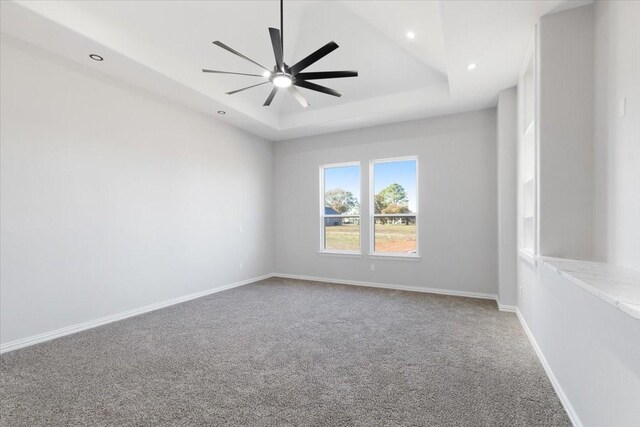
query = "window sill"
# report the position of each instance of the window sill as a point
(615, 285)
(398, 257)
(340, 254)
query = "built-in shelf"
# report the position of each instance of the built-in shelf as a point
(528, 256)
(530, 128)
(617, 286)
(527, 148)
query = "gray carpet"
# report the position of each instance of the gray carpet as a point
(289, 353)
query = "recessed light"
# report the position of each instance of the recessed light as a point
(411, 35)
(266, 74)
(222, 112)
(96, 57)
(471, 66)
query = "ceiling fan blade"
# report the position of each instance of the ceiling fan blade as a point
(270, 97)
(276, 41)
(326, 75)
(314, 57)
(204, 70)
(235, 52)
(298, 96)
(317, 88)
(245, 88)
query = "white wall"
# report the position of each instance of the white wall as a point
(457, 202)
(591, 346)
(565, 66)
(507, 121)
(113, 199)
(616, 177)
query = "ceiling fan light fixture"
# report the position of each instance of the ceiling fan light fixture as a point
(281, 76)
(282, 80)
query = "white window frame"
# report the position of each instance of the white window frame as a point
(323, 216)
(373, 215)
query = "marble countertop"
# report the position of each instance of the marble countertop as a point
(618, 286)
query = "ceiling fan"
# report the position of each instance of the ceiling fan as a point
(289, 77)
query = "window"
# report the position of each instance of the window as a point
(394, 206)
(340, 208)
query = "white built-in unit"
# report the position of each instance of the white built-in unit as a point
(527, 158)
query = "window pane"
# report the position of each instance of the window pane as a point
(341, 197)
(395, 234)
(394, 193)
(342, 190)
(342, 234)
(395, 187)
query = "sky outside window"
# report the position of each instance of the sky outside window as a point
(401, 172)
(344, 177)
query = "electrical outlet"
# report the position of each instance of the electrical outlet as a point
(241, 266)
(373, 267)
(622, 107)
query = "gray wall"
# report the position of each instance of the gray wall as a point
(565, 67)
(616, 177)
(507, 120)
(113, 199)
(457, 202)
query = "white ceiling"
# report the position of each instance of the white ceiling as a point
(161, 46)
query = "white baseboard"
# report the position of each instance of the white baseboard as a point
(46, 336)
(507, 308)
(389, 286)
(35, 339)
(573, 416)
